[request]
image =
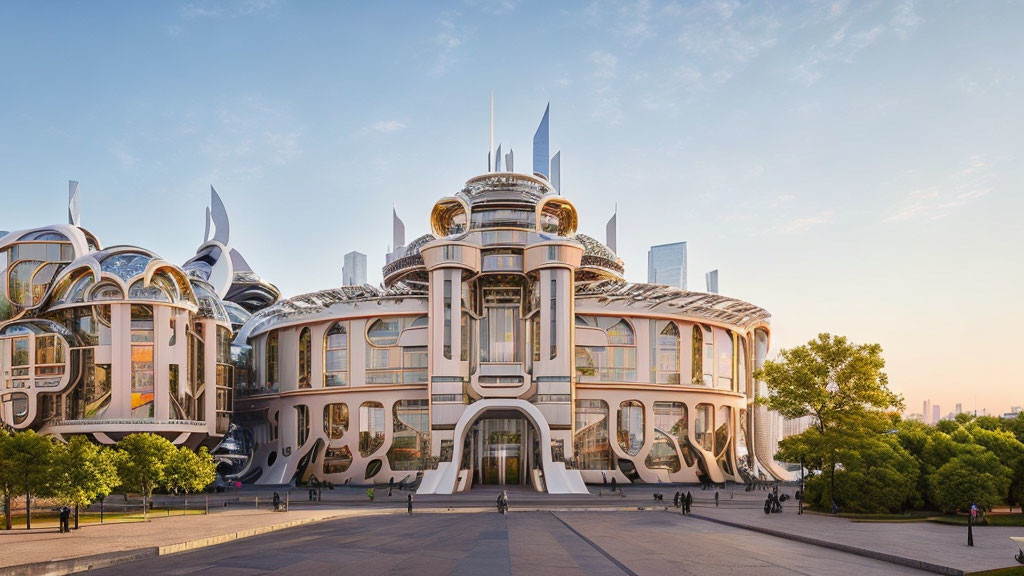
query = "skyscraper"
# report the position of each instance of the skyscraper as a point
(353, 272)
(711, 278)
(959, 408)
(936, 414)
(666, 264)
(540, 146)
(926, 413)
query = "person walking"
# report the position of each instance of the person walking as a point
(689, 502)
(675, 500)
(614, 483)
(410, 503)
(277, 502)
(716, 499)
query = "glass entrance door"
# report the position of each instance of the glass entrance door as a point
(500, 458)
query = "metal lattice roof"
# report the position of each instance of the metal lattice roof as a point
(670, 300)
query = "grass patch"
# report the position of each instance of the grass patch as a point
(1012, 571)
(49, 519)
(989, 520)
(915, 516)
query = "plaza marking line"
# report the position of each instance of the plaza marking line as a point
(594, 545)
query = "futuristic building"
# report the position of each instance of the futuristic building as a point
(106, 342)
(504, 347)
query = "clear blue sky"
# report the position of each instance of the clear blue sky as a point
(854, 167)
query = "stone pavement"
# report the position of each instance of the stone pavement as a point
(602, 543)
(926, 542)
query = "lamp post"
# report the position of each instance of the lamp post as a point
(803, 492)
(970, 525)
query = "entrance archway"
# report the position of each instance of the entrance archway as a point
(556, 479)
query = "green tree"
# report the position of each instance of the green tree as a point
(143, 464)
(29, 459)
(842, 386)
(189, 471)
(976, 477)
(82, 472)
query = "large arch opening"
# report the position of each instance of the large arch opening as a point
(502, 447)
(511, 443)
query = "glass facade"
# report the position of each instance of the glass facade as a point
(591, 441)
(335, 420)
(631, 426)
(666, 264)
(371, 427)
(704, 425)
(142, 361)
(410, 444)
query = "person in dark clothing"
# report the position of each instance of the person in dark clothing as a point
(65, 517)
(689, 502)
(716, 499)
(675, 500)
(614, 483)
(277, 502)
(410, 503)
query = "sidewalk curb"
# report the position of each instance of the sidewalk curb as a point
(92, 562)
(873, 554)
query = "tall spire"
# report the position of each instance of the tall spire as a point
(74, 204)
(398, 229)
(497, 158)
(610, 235)
(219, 215)
(491, 160)
(540, 146)
(556, 171)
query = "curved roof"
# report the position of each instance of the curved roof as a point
(599, 258)
(662, 299)
(316, 302)
(133, 267)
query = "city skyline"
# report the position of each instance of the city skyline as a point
(866, 156)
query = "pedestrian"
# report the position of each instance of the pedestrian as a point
(504, 499)
(277, 502)
(614, 482)
(391, 485)
(410, 503)
(675, 499)
(65, 516)
(716, 499)
(689, 502)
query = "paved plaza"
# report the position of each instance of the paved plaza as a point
(528, 543)
(462, 534)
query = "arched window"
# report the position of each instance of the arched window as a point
(385, 332)
(666, 355)
(621, 334)
(336, 356)
(631, 426)
(305, 358)
(107, 291)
